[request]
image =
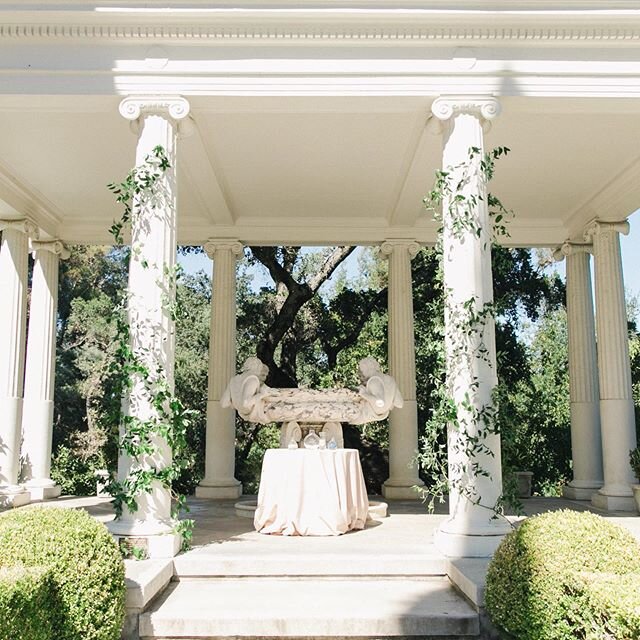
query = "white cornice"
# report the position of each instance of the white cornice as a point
(413, 22)
(195, 5)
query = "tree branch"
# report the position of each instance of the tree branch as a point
(299, 293)
(332, 262)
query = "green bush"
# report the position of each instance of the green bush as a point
(533, 590)
(610, 604)
(84, 563)
(26, 600)
(74, 474)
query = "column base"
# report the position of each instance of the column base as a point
(614, 503)
(221, 490)
(157, 540)
(481, 543)
(458, 545)
(402, 490)
(576, 492)
(43, 492)
(12, 496)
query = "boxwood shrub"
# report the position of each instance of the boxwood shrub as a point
(26, 598)
(541, 584)
(83, 561)
(610, 605)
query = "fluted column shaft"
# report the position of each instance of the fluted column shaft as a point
(616, 398)
(219, 480)
(14, 262)
(586, 447)
(403, 422)
(471, 529)
(150, 313)
(37, 418)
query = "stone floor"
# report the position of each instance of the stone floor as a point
(390, 574)
(407, 531)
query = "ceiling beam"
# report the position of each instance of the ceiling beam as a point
(27, 201)
(203, 178)
(406, 209)
(618, 199)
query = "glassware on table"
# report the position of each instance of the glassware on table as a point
(312, 441)
(323, 440)
(332, 444)
(292, 444)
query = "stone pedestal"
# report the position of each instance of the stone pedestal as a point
(616, 399)
(586, 444)
(403, 421)
(14, 261)
(219, 480)
(472, 530)
(12, 496)
(37, 418)
(152, 334)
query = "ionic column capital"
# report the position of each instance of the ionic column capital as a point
(598, 227)
(212, 246)
(569, 248)
(175, 108)
(485, 107)
(411, 246)
(57, 247)
(24, 225)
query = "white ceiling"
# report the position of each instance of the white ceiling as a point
(322, 170)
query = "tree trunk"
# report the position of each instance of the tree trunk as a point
(281, 266)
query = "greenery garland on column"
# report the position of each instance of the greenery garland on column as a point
(171, 418)
(472, 421)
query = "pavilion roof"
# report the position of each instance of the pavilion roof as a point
(312, 119)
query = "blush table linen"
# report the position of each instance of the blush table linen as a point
(311, 492)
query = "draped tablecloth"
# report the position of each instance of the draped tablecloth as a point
(311, 492)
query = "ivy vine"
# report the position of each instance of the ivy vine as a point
(462, 188)
(141, 189)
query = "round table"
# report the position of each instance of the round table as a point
(311, 492)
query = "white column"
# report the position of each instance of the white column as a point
(37, 416)
(403, 422)
(471, 529)
(219, 480)
(617, 417)
(586, 447)
(151, 294)
(14, 262)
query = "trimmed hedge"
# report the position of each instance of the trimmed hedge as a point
(538, 585)
(83, 561)
(610, 604)
(26, 598)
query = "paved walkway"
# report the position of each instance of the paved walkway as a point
(408, 530)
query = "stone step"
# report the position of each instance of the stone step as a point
(428, 608)
(208, 563)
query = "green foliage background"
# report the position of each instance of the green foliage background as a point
(336, 328)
